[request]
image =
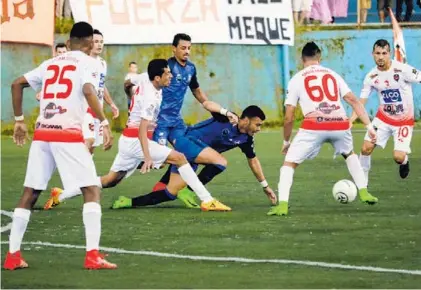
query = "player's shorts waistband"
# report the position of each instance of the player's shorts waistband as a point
(323, 125)
(134, 133)
(54, 135)
(397, 123)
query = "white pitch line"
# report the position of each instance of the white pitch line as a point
(232, 259)
(9, 225)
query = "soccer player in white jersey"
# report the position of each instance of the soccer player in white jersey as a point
(319, 91)
(68, 87)
(134, 147)
(392, 81)
(92, 129)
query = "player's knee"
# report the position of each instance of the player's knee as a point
(111, 180)
(367, 149)
(346, 155)
(399, 156)
(179, 158)
(91, 193)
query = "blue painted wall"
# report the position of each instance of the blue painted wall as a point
(235, 76)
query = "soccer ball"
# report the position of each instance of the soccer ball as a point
(344, 191)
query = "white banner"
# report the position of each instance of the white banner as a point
(258, 22)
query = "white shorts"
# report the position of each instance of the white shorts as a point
(307, 144)
(301, 5)
(92, 129)
(401, 135)
(130, 155)
(73, 161)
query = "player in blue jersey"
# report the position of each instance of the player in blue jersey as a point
(216, 134)
(170, 124)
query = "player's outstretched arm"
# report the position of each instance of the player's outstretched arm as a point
(288, 125)
(20, 133)
(143, 138)
(359, 109)
(257, 170)
(354, 115)
(93, 102)
(110, 102)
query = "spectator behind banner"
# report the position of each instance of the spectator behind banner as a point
(382, 6)
(63, 9)
(301, 11)
(409, 9)
(365, 5)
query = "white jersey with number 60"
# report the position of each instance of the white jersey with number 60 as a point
(319, 91)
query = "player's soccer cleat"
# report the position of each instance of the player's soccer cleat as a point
(281, 209)
(159, 186)
(404, 170)
(94, 260)
(122, 202)
(214, 205)
(53, 201)
(188, 198)
(366, 197)
(14, 261)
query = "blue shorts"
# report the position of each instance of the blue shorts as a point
(163, 133)
(191, 147)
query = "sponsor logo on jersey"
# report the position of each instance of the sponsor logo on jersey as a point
(179, 77)
(38, 125)
(376, 82)
(51, 110)
(325, 108)
(329, 119)
(396, 77)
(391, 96)
(415, 72)
(397, 70)
(101, 80)
(393, 109)
(386, 83)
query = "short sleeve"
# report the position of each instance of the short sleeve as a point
(194, 84)
(248, 148)
(343, 86)
(367, 88)
(34, 77)
(293, 94)
(90, 74)
(411, 74)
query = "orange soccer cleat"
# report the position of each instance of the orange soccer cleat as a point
(94, 260)
(14, 261)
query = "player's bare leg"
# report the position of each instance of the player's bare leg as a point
(365, 157)
(21, 217)
(284, 188)
(59, 195)
(92, 220)
(357, 173)
(401, 158)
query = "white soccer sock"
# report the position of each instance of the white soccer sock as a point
(19, 224)
(69, 193)
(92, 221)
(190, 177)
(356, 171)
(405, 160)
(285, 182)
(365, 161)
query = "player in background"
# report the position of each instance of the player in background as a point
(134, 146)
(132, 72)
(92, 130)
(59, 49)
(218, 134)
(66, 82)
(319, 91)
(170, 124)
(392, 80)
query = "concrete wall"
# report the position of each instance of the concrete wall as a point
(235, 76)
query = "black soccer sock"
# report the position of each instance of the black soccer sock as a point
(166, 177)
(155, 197)
(209, 172)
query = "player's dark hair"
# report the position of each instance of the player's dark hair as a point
(81, 30)
(253, 111)
(132, 62)
(60, 45)
(180, 36)
(96, 31)
(156, 68)
(383, 43)
(310, 50)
